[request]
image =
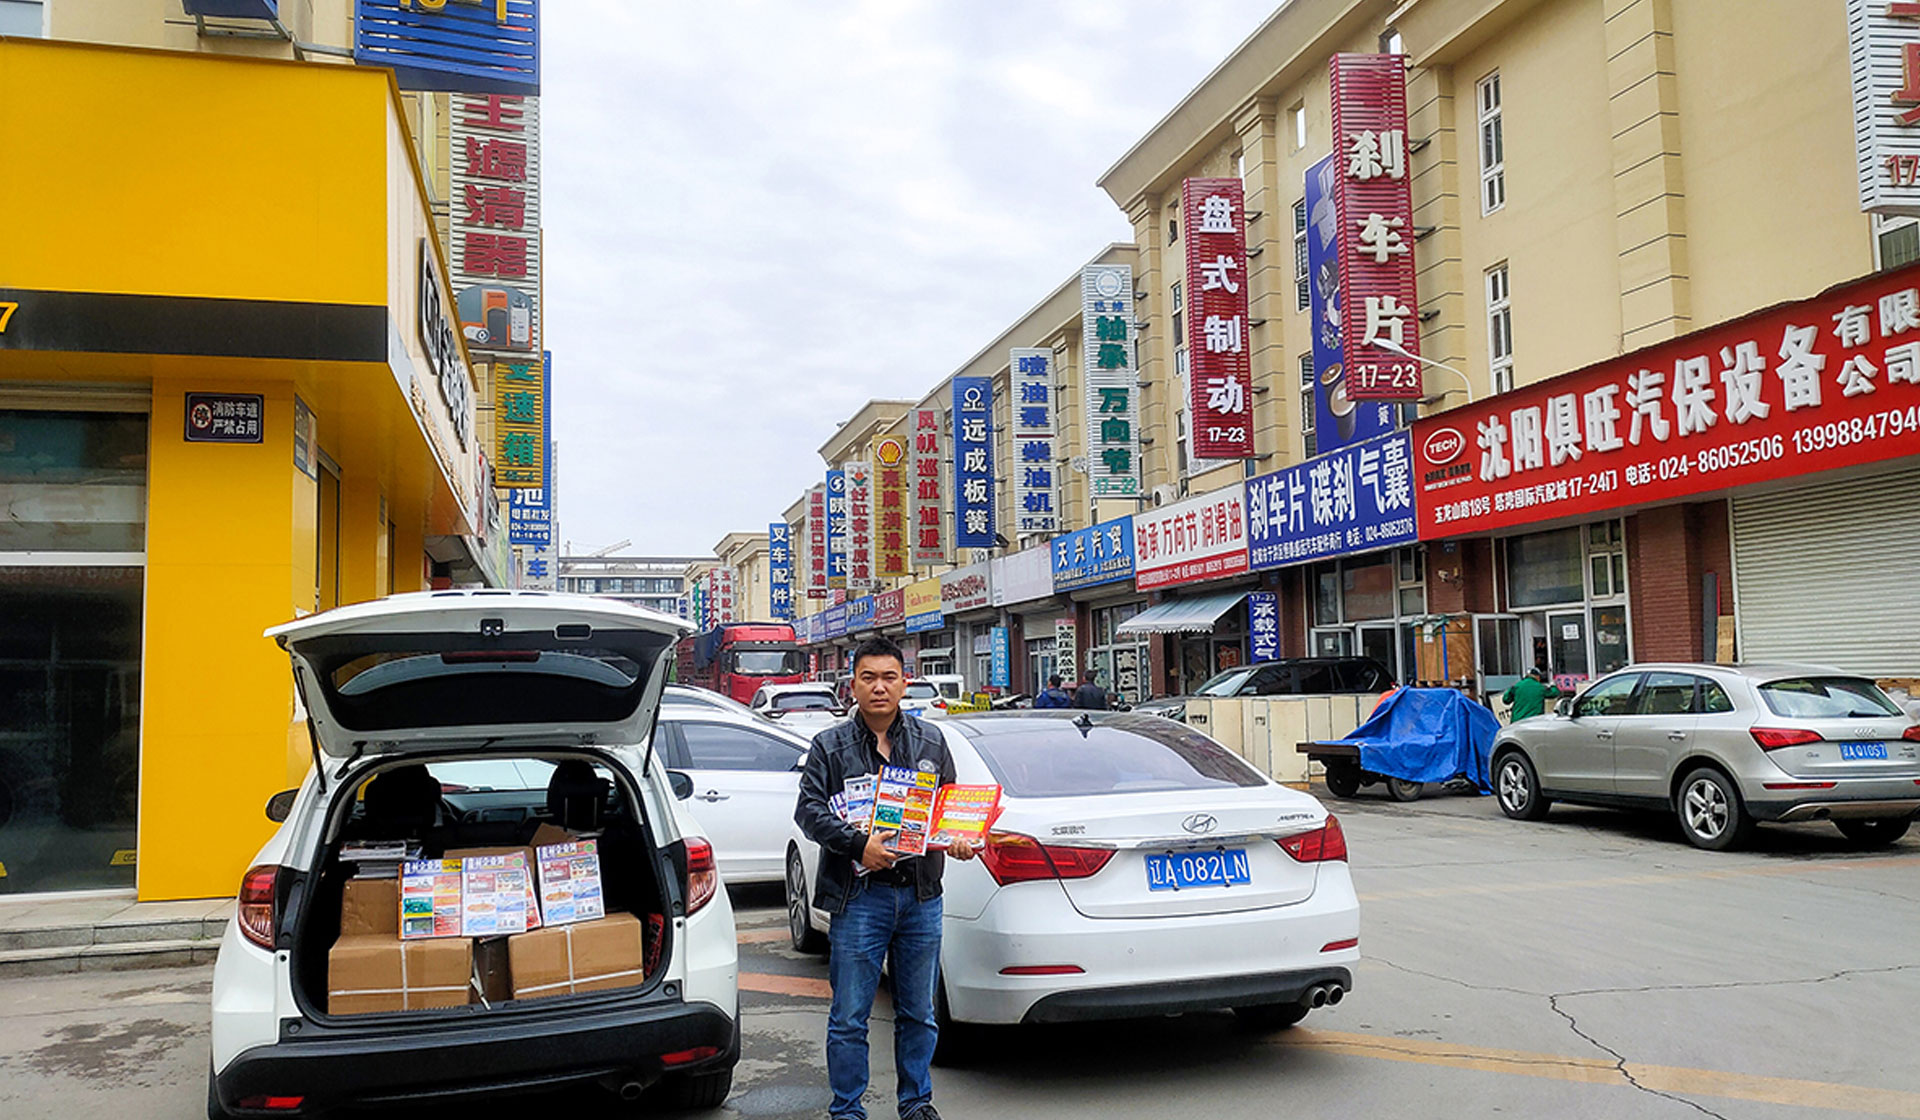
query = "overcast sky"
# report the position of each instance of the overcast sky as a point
(761, 215)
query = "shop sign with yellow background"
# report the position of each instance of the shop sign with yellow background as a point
(890, 542)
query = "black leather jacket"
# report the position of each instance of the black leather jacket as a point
(847, 750)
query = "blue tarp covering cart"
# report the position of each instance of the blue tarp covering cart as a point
(1414, 736)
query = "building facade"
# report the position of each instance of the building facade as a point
(234, 389)
(655, 582)
(1634, 226)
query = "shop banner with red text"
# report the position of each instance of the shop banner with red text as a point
(1801, 387)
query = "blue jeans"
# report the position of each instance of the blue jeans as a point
(879, 920)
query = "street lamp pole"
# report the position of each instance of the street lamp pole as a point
(1403, 352)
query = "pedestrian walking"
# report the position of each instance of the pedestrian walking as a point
(1053, 696)
(1090, 695)
(1528, 696)
(892, 906)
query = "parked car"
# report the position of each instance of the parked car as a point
(1137, 868)
(951, 690)
(746, 778)
(394, 689)
(804, 708)
(1722, 747)
(702, 698)
(922, 698)
(1292, 676)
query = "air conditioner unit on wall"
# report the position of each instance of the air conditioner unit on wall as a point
(1164, 493)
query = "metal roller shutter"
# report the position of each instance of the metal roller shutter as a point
(1830, 574)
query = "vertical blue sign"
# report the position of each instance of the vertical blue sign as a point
(780, 569)
(836, 530)
(1263, 625)
(973, 462)
(1000, 663)
(1337, 421)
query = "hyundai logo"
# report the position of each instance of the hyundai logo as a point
(1200, 822)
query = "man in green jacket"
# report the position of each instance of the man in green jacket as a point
(1528, 696)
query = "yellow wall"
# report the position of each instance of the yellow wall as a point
(210, 154)
(216, 697)
(251, 180)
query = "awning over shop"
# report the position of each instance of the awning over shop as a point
(1183, 616)
(945, 652)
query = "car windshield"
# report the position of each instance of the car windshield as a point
(765, 662)
(803, 702)
(1826, 698)
(1225, 684)
(921, 690)
(1129, 754)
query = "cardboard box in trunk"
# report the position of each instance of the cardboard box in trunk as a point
(368, 972)
(594, 956)
(370, 906)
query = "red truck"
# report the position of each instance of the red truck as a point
(736, 658)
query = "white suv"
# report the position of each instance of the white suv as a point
(452, 698)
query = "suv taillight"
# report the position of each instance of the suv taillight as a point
(1773, 738)
(1327, 842)
(703, 879)
(256, 915)
(1013, 858)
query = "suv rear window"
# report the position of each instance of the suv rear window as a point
(1826, 698)
(1128, 754)
(803, 701)
(921, 690)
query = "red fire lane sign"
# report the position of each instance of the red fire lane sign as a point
(1802, 387)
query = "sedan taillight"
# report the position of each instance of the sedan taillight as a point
(1325, 843)
(1912, 734)
(703, 878)
(256, 916)
(1773, 738)
(1013, 858)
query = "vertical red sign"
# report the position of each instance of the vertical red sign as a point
(817, 543)
(1373, 198)
(1219, 374)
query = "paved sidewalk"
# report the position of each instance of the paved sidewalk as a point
(94, 931)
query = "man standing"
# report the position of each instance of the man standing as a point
(1053, 696)
(882, 903)
(1090, 695)
(1528, 696)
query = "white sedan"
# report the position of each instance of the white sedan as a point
(804, 708)
(746, 779)
(1137, 868)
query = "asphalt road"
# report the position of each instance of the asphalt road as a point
(1590, 965)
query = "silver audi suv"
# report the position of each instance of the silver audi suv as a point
(1723, 747)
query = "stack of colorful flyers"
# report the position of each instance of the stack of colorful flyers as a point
(430, 898)
(494, 895)
(570, 888)
(903, 803)
(964, 813)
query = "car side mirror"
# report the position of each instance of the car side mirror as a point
(682, 783)
(280, 805)
(1564, 707)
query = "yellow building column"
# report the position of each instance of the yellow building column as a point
(363, 537)
(1269, 274)
(224, 541)
(1158, 400)
(1649, 197)
(1436, 206)
(409, 543)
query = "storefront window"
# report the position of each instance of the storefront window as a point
(1118, 663)
(1609, 638)
(73, 481)
(69, 726)
(1367, 590)
(1545, 568)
